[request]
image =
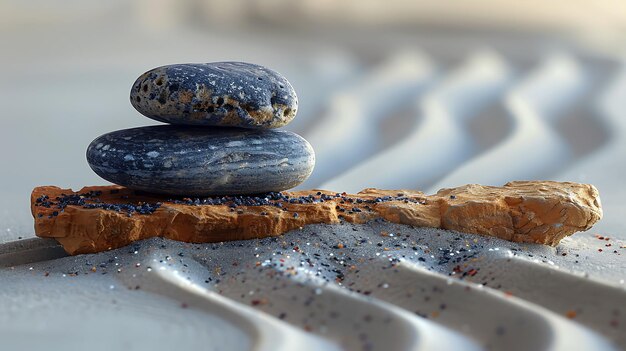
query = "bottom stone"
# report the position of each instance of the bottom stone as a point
(101, 218)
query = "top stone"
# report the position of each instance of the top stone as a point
(229, 94)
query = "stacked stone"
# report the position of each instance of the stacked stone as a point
(220, 137)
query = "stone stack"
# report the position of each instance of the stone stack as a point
(220, 138)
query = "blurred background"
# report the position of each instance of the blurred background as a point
(395, 94)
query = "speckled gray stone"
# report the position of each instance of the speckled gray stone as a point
(230, 94)
(192, 161)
